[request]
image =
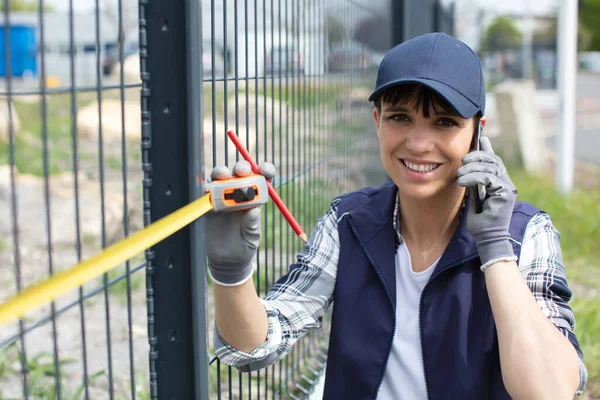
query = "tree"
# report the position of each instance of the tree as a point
(502, 34)
(589, 15)
(335, 30)
(548, 36)
(372, 31)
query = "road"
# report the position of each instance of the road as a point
(587, 137)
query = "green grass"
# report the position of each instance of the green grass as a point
(344, 134)
(577, 218)
(29, 142)
(307, 201)
(587, 315)
(118, 290)
(299, 95)
(4, 244)
(304, 95)
(41, 382)
(219, 102)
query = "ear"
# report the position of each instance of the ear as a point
(376, 118)
(483, 121)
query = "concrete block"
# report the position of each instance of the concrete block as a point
(521, 138)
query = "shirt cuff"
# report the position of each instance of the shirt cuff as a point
(583, 378)
(494, 261)
(239, 283)
(237, 358)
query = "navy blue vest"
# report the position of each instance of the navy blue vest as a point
(458, 335)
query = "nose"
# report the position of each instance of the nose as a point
(419, 140)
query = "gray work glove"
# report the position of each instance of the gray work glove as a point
(489, 227)
(232, 238)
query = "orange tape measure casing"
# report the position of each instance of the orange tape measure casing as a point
(237, 194)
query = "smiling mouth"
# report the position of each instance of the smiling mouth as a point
(421, 168)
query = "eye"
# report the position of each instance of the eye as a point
(446, 122)
(399, 117)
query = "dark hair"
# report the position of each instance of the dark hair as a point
(420, 97)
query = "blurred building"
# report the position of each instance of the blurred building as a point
(55, 35)
(330, 36)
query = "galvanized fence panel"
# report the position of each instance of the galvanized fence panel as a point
(112, 114)
(70, 184)
(291, 79)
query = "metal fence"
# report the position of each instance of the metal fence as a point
(111, 117)
(291, 79)
(71, 184)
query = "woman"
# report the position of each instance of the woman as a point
(433, 298)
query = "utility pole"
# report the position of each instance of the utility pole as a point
(567, 77)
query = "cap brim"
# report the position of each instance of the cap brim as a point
(463, 106)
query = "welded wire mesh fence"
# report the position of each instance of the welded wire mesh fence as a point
(103, 130)
(293, 84)
(70, 184)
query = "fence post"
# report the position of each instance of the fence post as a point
(399, 30)
(436, 24)
(196, 189)
(172, 162)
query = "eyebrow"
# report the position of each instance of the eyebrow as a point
(441, 113)
(396, 109)
(447, 114)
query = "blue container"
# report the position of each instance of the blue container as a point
(23, 51)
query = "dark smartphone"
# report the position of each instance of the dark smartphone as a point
(478, 193)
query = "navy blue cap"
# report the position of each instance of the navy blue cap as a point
(440, 62)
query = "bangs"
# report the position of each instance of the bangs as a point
(415, 96)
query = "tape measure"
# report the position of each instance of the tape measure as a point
(236, 194)
(233, 194)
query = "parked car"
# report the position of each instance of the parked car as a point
(284, 60)
(351, 56)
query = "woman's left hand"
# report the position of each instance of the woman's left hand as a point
(489, 227)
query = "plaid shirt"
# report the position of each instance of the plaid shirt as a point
(298, 303)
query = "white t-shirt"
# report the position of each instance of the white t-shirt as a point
(404, 376)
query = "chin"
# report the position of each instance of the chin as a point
(418, 193)
(415, 191)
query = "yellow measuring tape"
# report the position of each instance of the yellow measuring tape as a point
(44, 292)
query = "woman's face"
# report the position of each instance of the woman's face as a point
(420, 154)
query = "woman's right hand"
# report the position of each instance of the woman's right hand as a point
(232, 238)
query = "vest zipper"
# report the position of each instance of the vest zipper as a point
(463, 261)
(389, 295)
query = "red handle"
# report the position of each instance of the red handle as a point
(272, 193)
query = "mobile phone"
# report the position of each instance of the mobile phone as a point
(478, 193)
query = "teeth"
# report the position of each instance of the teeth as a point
(421, 167)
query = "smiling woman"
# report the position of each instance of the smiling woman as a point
(422, 140)
(461, 302)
